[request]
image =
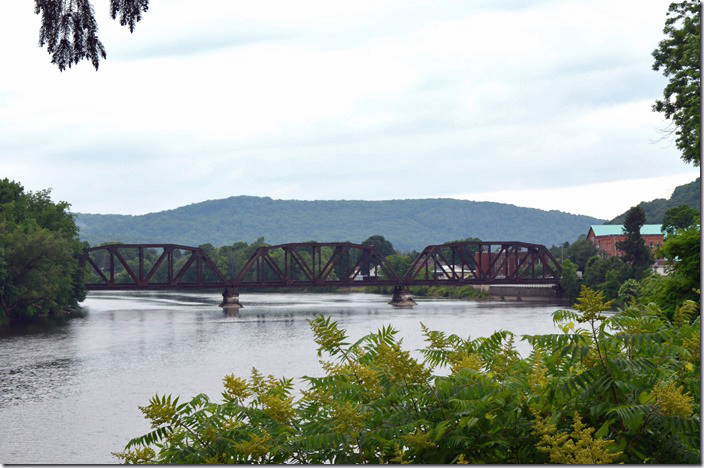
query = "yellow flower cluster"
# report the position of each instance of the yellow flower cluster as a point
(502, 362)
(231, 424)
(418, 440)
(465, 361)
(349, 418)
(256, 447)
(397, 459)
(693, 344)
(259, 384)
(399, 366)
(353, 371)
(278, 408)
(137, 456)
(537, 379)
(214, 460)
(236, 387)
(672, 401)
(577, 447)
(158, 414)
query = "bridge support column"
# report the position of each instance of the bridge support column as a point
(402, 297)
(230, 300)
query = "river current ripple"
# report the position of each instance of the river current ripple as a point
(69, 393)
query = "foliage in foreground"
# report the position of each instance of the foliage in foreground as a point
(39, 270)
(624, 389)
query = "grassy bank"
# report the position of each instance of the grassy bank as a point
(451, 292)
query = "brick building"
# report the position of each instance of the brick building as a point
(605, 236)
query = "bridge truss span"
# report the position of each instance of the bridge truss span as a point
(464, 263)
(149, 266)
(316, 264)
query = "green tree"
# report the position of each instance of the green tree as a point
(629, 291)
(569, 281)
(580, 252)
(401, 262)
(635, 252)
(39, 247)
(678, 218)
(606, 274)
(678, 56)
(682, 251)
(70, 32)
(384, 247)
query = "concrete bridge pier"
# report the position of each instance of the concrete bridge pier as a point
(402, 297)
(231, 301)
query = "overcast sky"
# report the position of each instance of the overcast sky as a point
(544, 104)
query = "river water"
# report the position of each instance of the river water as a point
(69, 393)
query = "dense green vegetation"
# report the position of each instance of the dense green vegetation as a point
(681, 251)
(408, 224)
(687, 194)
(39, 271)
(626, 388)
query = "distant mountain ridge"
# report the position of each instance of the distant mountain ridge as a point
(409, 224)
(688, 194)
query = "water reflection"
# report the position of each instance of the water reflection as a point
(69, 394)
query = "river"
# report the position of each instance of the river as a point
(69, 393)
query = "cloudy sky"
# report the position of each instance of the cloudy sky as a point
(544, 104)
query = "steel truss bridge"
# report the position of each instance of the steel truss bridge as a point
(120, 267)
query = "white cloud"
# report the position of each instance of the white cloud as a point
(333, 100)
(604, 200)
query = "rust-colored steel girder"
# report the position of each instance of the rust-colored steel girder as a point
(315, 264)
(126, 267)
(492, 262)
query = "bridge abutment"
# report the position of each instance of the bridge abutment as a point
(230, 300)
(402, 297)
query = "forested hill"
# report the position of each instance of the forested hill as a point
(688, 194)
(408, 224)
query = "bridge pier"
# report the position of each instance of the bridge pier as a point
(402, 297)
(230, 300)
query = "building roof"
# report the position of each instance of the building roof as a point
(617, 230)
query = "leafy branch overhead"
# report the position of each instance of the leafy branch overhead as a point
(70, 32)
(678, 57)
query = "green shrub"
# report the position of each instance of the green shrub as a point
(624, 389)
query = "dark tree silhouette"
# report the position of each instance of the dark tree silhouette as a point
(70, 32)
(385, 247)
(635, 252)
